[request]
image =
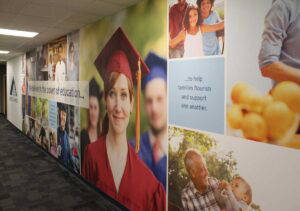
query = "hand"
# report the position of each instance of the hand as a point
(223, 185)
(181, 35)
(178, 39)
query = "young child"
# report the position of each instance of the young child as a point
(236, 196)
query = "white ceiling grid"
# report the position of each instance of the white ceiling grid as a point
(50, 18)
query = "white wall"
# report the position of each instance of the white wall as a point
(244, 21)
(14, 102)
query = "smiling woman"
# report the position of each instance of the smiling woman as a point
(193, 30)
(110, 163)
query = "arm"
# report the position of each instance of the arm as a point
(276, 23)
(212, 27)
(234, 203)
(178, 39)
(171, 24)
(279, 71)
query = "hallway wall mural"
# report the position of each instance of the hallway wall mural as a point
(172, 105)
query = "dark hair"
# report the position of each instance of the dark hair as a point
(186, 19)
(199, 5)
(63, 107)
(96, 91)
(199, 2)
(108, 85)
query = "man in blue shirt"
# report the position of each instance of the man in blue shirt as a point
(154, 143)
(62, 136)
(279, 57)
(210, 40)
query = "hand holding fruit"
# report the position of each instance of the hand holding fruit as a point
(272, 118)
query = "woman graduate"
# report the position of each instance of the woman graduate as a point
(111, 164)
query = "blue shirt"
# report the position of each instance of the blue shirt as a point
(210, 41)
(159, 169)
(281, 36)
(63, 142)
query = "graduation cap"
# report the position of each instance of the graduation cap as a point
(119, 55)
(157, 66)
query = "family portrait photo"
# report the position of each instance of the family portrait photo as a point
(196, 28)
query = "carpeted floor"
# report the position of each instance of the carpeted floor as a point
(31, 180)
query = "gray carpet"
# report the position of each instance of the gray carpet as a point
(31, 180)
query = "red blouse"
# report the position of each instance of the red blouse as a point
(139, 189)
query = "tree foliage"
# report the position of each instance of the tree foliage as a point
(42, 102)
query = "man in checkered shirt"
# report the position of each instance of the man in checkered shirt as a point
(198, 194)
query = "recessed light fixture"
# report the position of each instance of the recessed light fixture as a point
(17, 33)
(4, 52)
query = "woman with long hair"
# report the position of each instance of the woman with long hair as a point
(111, 164)
(93, 130)
(192, 32)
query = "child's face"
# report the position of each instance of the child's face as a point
(193, 17)
(239, 189)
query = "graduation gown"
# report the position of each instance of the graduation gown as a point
(139, 189)
(159, 169)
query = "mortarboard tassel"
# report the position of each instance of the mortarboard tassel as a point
(137, 118)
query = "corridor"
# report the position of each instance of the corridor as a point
(30, 179)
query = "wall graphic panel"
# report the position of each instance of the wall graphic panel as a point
(234, 173)
(136, 34)
(263, 92)
(15, 77)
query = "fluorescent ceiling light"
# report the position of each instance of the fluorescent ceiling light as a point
(17, 33)
(4, 52)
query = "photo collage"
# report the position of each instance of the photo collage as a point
(234, 100)
(51, 124)
(173, 105)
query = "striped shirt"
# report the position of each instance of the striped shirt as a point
(192, 199)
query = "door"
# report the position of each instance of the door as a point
(5, 95)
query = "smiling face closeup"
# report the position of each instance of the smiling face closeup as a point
(205, 8)
(94, 111)
(239, 189)
(200, 172)
(193, 17)
(63, 119)
(196, 167)
(119, 105)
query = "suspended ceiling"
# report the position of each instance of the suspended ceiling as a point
(50, 18)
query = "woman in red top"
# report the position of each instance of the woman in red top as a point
(111, 163)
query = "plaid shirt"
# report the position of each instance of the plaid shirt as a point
(192, 199)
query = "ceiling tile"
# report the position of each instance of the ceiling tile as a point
(51, 18)
(12, 6)
(26, 20)
(55, 13)
(6, 18)
(103, 8)
(82, 17)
